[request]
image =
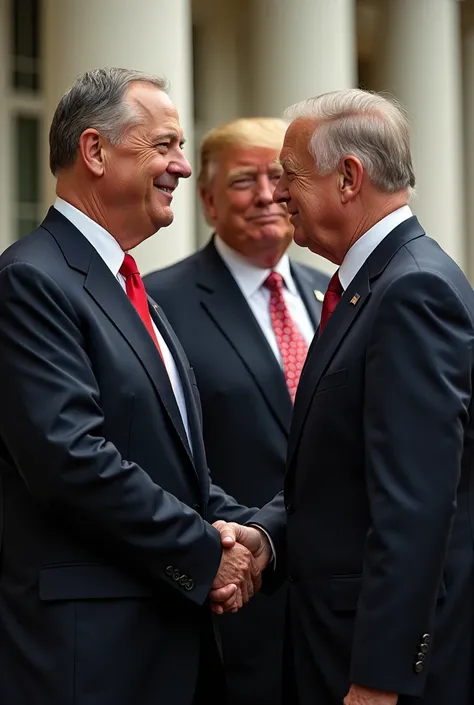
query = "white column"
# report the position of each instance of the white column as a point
(468, 92)
(421, 66)
(149, 35)
(301, 48)
(220, 93)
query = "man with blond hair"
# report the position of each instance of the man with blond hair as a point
(245, 315)
(376, 529)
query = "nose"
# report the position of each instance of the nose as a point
(264, 191)
(280, 194)
(180, 167)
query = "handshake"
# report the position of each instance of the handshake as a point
(246, 553)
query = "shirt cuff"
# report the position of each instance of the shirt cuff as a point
(270, 541)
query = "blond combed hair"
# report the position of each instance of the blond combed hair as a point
(244, 132)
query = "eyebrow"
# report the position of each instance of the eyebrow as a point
(244, 171)
(250, 171)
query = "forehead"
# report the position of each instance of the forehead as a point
(235, 157)
(156, 107)
(297, 138)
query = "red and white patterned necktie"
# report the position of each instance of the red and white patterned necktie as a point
(293, 347)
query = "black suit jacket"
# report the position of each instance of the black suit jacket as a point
(106, 554)
(379, 487)
(247, 412)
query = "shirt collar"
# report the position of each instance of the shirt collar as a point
(101, 240)
(249, 277)
(365, 245)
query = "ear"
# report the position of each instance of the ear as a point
(351, 173)
(91, 148)
(207, 199)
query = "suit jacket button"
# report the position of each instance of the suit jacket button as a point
(418, 666)
(425, 639)
(189, 584)
(176, 574)
(423, 648)
(183, 580)
(169, 570)
(289, 508)
(420, 656)
(197, 507)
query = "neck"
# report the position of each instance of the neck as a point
(266, 258)
(370, 216)
(86, 201)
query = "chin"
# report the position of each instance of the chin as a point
(164, 220)
(272, 234)
(300, 239)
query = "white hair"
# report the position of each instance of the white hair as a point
(366, 125)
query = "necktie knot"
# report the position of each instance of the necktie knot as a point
(335, 286)
(331, 299)
(274, 282)
(129, 267)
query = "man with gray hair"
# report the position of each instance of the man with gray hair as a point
(376, 534)
(107, 553)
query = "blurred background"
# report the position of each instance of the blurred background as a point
(232, 58)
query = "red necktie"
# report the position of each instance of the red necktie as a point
(292, 345)
(137, 294)
(331, 299)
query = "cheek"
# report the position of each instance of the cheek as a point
(239, 203)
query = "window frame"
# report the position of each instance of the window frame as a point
(14, 102)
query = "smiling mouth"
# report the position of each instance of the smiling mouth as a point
(165, 189)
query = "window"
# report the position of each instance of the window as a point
(25, 32)
(27, 136)
(25, 108)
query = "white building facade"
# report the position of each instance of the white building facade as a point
(232, 58)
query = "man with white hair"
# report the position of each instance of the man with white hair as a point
(377, 533)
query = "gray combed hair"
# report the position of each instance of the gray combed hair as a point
(96, 100)
(366, 125)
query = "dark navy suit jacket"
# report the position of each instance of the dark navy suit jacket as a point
(377, 529)
(106, 555)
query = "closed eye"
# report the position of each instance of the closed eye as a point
(242, 183)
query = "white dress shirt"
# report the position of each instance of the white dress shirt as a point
(250, 281)
(113, 255)
(365, 245)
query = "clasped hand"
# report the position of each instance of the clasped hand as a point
(246, 552)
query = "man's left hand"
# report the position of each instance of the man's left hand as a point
(358, 695)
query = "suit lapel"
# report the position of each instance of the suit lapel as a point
(106, 291)
(184, 371)
(223, 301)
(323, 349)
(306, 290)
(354, 300)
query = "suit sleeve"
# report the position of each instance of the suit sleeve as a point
(417, 394)
(223, 506)
(272, 518)
(51, 423)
